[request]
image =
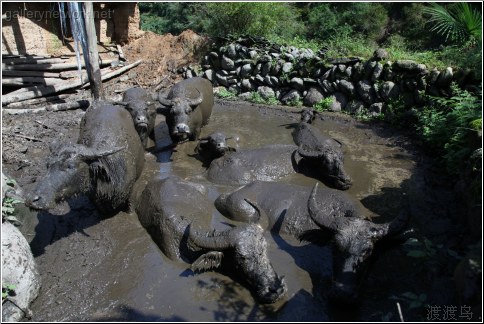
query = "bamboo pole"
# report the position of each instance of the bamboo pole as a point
(93, 72)
(30, 74)
(51, 67)
(36, 101)
(40, 91)
(29, 80)
(33, 61)
(78, 104)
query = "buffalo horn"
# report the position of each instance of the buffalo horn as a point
(391, 228)
(260, 213)
(308, 154)
(89, 153)
(195, 102)
(164, 101)
(121, 103)
(216, 241)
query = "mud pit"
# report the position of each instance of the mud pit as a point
(96, 269)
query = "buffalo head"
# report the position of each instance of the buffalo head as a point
(179, 112)
(68, 174)
(213, 146)
(249, 249)
(328, 160)
(308, 115)
(143, 114)
(355, 239)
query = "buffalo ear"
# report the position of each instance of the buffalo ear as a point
(54, 146)
(207, 261)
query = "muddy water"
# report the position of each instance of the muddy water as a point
(109, 269)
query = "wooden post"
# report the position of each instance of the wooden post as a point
(94, 73)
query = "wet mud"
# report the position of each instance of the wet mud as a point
(109, 269)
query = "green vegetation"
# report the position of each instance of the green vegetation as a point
(324, 104)
(7, 290)
(458, 22)
(255, 97)
(439, 35)
(452, 127)
(8, 208)
(226, 94)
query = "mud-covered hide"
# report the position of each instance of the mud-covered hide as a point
(212, 147)
(268, 163)
(188, 107)
(318, 215)
(18, 269)
(165, 209)
(141, 107)
(177, 214)
(322, 152)
(104, 164)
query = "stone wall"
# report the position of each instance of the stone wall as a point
(291, 74)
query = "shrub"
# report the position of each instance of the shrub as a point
(324, 104)
(452, 127)
(264, 19)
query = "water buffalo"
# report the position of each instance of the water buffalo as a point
(142, 109)
(104, 164)
(212, 147)
(271, 163)
(318, 213)
(326, 150)
(308, 115)
(190, 104)
(177, 214)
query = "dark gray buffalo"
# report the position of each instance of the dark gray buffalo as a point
(189, 106)
(212, 147)
(314, 214)
(142, 109)
(104, 164)
(177, 214)
(273, 162)
(324, 149)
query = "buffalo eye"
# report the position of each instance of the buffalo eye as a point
(71, 165)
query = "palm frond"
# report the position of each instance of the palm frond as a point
(457, 22)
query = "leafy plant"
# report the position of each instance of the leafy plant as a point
(8, 290)
(255, 97)
(323, 104)
(8, 208)
(457, 22)
(413, 300)
(451, 127)
(295, 102)
(225, 94)
(421, 249)
(426, 249)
